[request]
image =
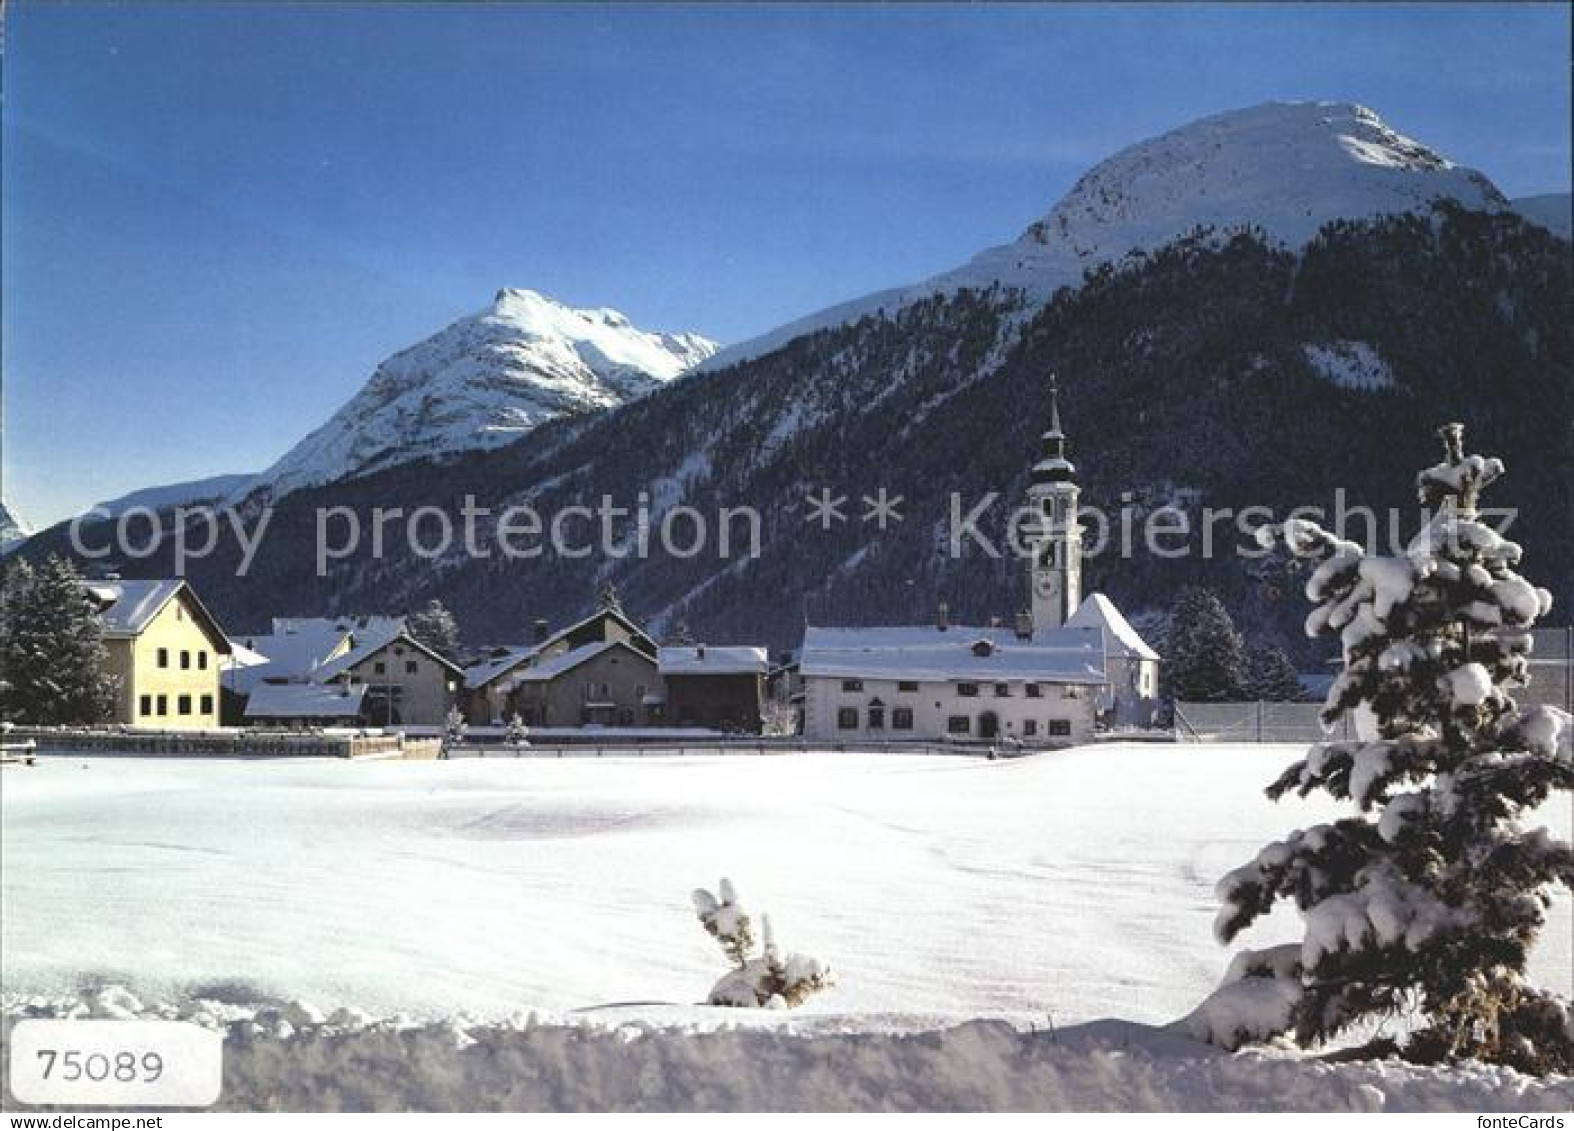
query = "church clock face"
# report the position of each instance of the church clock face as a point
(1045, 584)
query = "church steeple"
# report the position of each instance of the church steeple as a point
(1053, 466)
(1055, 576)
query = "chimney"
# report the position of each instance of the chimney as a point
(699, 650)
(1024, 626)
(943, 617)
(540, 630)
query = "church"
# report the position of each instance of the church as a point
(1064, 669)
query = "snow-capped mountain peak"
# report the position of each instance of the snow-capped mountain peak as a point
(14, 530)
(483, 381)
(1284, 168)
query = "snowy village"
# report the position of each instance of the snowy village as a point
(1131, 671)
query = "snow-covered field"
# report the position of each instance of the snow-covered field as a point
(1048, 891)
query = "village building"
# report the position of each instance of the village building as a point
(719, 688)
(951, 682)
(296, 648)
(1131, 698)
(407, 683)
(492, 680)
(1066, 667)
(606, 683)
(165, 652)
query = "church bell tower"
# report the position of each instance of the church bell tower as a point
(1054, 535)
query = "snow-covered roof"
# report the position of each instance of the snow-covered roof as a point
(959, 652)
(305, 701)
(1098, 611)
(367, 644)
(242, 657)
(126, 608)
(707, 659)
(568, 661)
(501, 662)
(299, 646)
(359, 622)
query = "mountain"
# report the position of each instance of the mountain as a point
(1554, 211)
(1283, 168)
(193, 492)
(1203, 376)
(1216, 371)
(484, 381)
(13, 530)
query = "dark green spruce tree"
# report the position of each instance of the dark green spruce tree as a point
(54, 668)
(1425, 902)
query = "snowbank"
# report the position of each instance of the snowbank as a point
(291, 1058)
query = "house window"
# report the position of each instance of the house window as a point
(185, 660)
(1030, 727)
(379, 668)
(411, 667)
(1033, 690)
(852, 685)
(847, 718)
(1002, 691)
(967, 690)
(145, 705)
(163, 657)
(876, 718)
(907, 685)
(202, 661)
(959, 724)
(207, 704)
(183, 704)
(1059, 728)
(163, 704)
(901, 718)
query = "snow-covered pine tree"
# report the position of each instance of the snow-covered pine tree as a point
(1269, 676)
(54, 668)
(1427, 901)
(517, 734)
(767, 980)
(1203, 652)
(435, 627)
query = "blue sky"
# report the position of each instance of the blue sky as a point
(218, 219)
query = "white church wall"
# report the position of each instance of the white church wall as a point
(1032, 719)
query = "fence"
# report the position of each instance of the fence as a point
(1551, 670)
(723, 746)
(1551, 684)
(222, 743)
(1255, 722)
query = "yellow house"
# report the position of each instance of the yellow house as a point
(165, 650)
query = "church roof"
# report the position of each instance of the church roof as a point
(1099, 612)
(927, 652)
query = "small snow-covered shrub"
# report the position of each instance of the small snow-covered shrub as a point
(454, 729)
(766, 980)
(1428, 898)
